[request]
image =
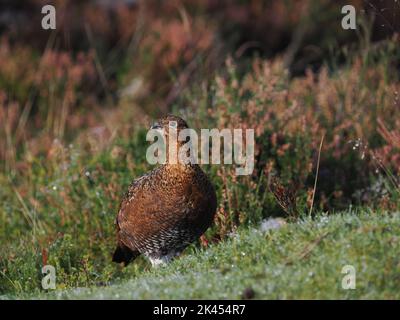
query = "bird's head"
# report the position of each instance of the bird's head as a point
(170, 127)
(170, 121)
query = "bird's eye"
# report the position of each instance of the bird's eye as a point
(173, 124)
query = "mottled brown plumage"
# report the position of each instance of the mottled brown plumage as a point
(165, 210)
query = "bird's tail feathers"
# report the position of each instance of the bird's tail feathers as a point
(123, 254)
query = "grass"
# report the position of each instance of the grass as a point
(300, 260)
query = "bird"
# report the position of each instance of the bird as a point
(166, 209)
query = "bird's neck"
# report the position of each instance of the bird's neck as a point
(180, 168)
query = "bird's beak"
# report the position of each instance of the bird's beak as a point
(155, 126)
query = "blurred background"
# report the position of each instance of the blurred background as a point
(150, 51)
(159, 47)
(75, 103)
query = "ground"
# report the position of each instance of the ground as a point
(300, 260)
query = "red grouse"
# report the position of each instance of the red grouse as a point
(166, 209)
